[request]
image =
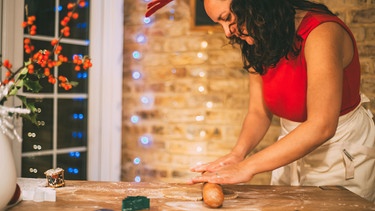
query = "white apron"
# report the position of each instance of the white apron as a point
(347, 159)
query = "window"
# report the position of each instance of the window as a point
(81, 129)
(60, 137)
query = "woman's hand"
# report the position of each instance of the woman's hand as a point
(230, 174)
(228, 159)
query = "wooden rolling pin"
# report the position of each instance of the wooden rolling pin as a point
(213, 195)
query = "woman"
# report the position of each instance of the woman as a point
(304, 68)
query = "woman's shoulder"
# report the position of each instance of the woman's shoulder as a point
(314, 19)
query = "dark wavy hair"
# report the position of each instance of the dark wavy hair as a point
(271, 24)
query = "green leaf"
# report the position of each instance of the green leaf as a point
(24, 71)
(27, 63)
(30, 117)
(13, 91)
(31, 85)
(74, 83)
(33, 115)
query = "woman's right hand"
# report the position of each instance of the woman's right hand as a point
(226, 160)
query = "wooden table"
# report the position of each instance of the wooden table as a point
(87, 195)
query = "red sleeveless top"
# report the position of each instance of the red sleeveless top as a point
(285, 85)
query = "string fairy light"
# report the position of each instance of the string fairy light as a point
(137, 179)
(136, 75)
(135, 119)
(141, 38)
(137, 161)
(145, 140)
(137, 55)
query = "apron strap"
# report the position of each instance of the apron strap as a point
(349, 164)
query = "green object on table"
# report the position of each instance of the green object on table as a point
(131, 203)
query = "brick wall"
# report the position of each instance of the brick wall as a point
(185, 94)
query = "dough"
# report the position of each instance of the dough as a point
(192, 193)
(213, 195)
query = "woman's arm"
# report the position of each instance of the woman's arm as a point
(257, 120)
(254, 127)
(328, 50)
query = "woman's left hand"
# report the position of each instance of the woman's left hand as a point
(231, 174)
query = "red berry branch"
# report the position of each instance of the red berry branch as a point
(43, 57)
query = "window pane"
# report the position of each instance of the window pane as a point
(74, 165)
(44, 11)
(39, 137)
(35, 166)
(79, 28)
(67, 69)
(72, 123)
(41, 45)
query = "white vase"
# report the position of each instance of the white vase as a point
(8, 175)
